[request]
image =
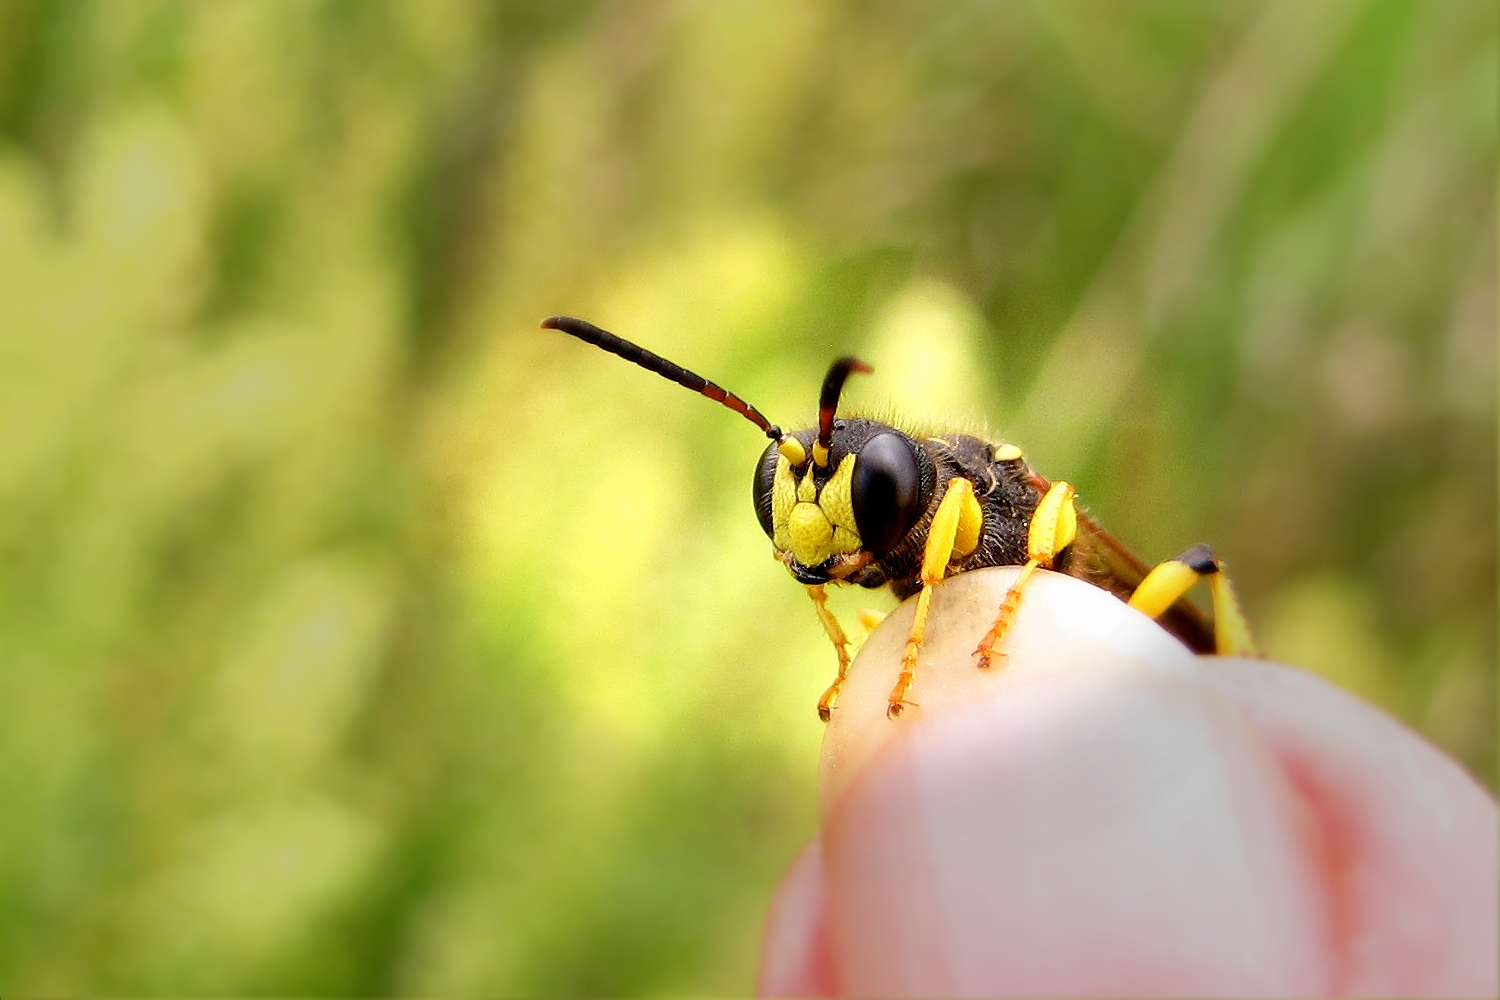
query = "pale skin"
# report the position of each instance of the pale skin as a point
(1101, 813)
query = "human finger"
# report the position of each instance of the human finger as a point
(1110, 825)
(1408, 836)
(1086, 819)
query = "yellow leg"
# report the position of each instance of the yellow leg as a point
(1170, 580)
(1007, 611)
(840, 642)
(953, 513)
(1053, 526)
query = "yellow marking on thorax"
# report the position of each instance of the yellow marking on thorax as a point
(1007, 453)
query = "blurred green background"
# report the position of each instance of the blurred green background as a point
(358, 637)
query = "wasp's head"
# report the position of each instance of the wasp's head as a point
(837, 497)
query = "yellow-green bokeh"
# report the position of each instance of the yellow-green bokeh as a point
(358, 637)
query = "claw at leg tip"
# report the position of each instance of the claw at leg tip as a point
(988, 660)
(896, 707)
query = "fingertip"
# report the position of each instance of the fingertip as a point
(1107, 813)
(1082, 819)
(1065, 630)
(1115, 835)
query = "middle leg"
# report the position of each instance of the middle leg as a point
(1054, 524)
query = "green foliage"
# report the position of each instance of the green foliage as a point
(357, 637)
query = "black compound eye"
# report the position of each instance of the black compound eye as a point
(886, 491)
(765, 476)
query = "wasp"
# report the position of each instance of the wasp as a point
(858, 501)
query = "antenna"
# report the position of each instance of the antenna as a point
(635, 354)
(828, 402)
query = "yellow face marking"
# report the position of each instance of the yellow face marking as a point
(1007, 453)
(811, 534)
(807, 490)
(783, 500)
(837, 498)
(813, 525)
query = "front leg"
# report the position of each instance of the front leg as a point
(958, 515)
(835, 633)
